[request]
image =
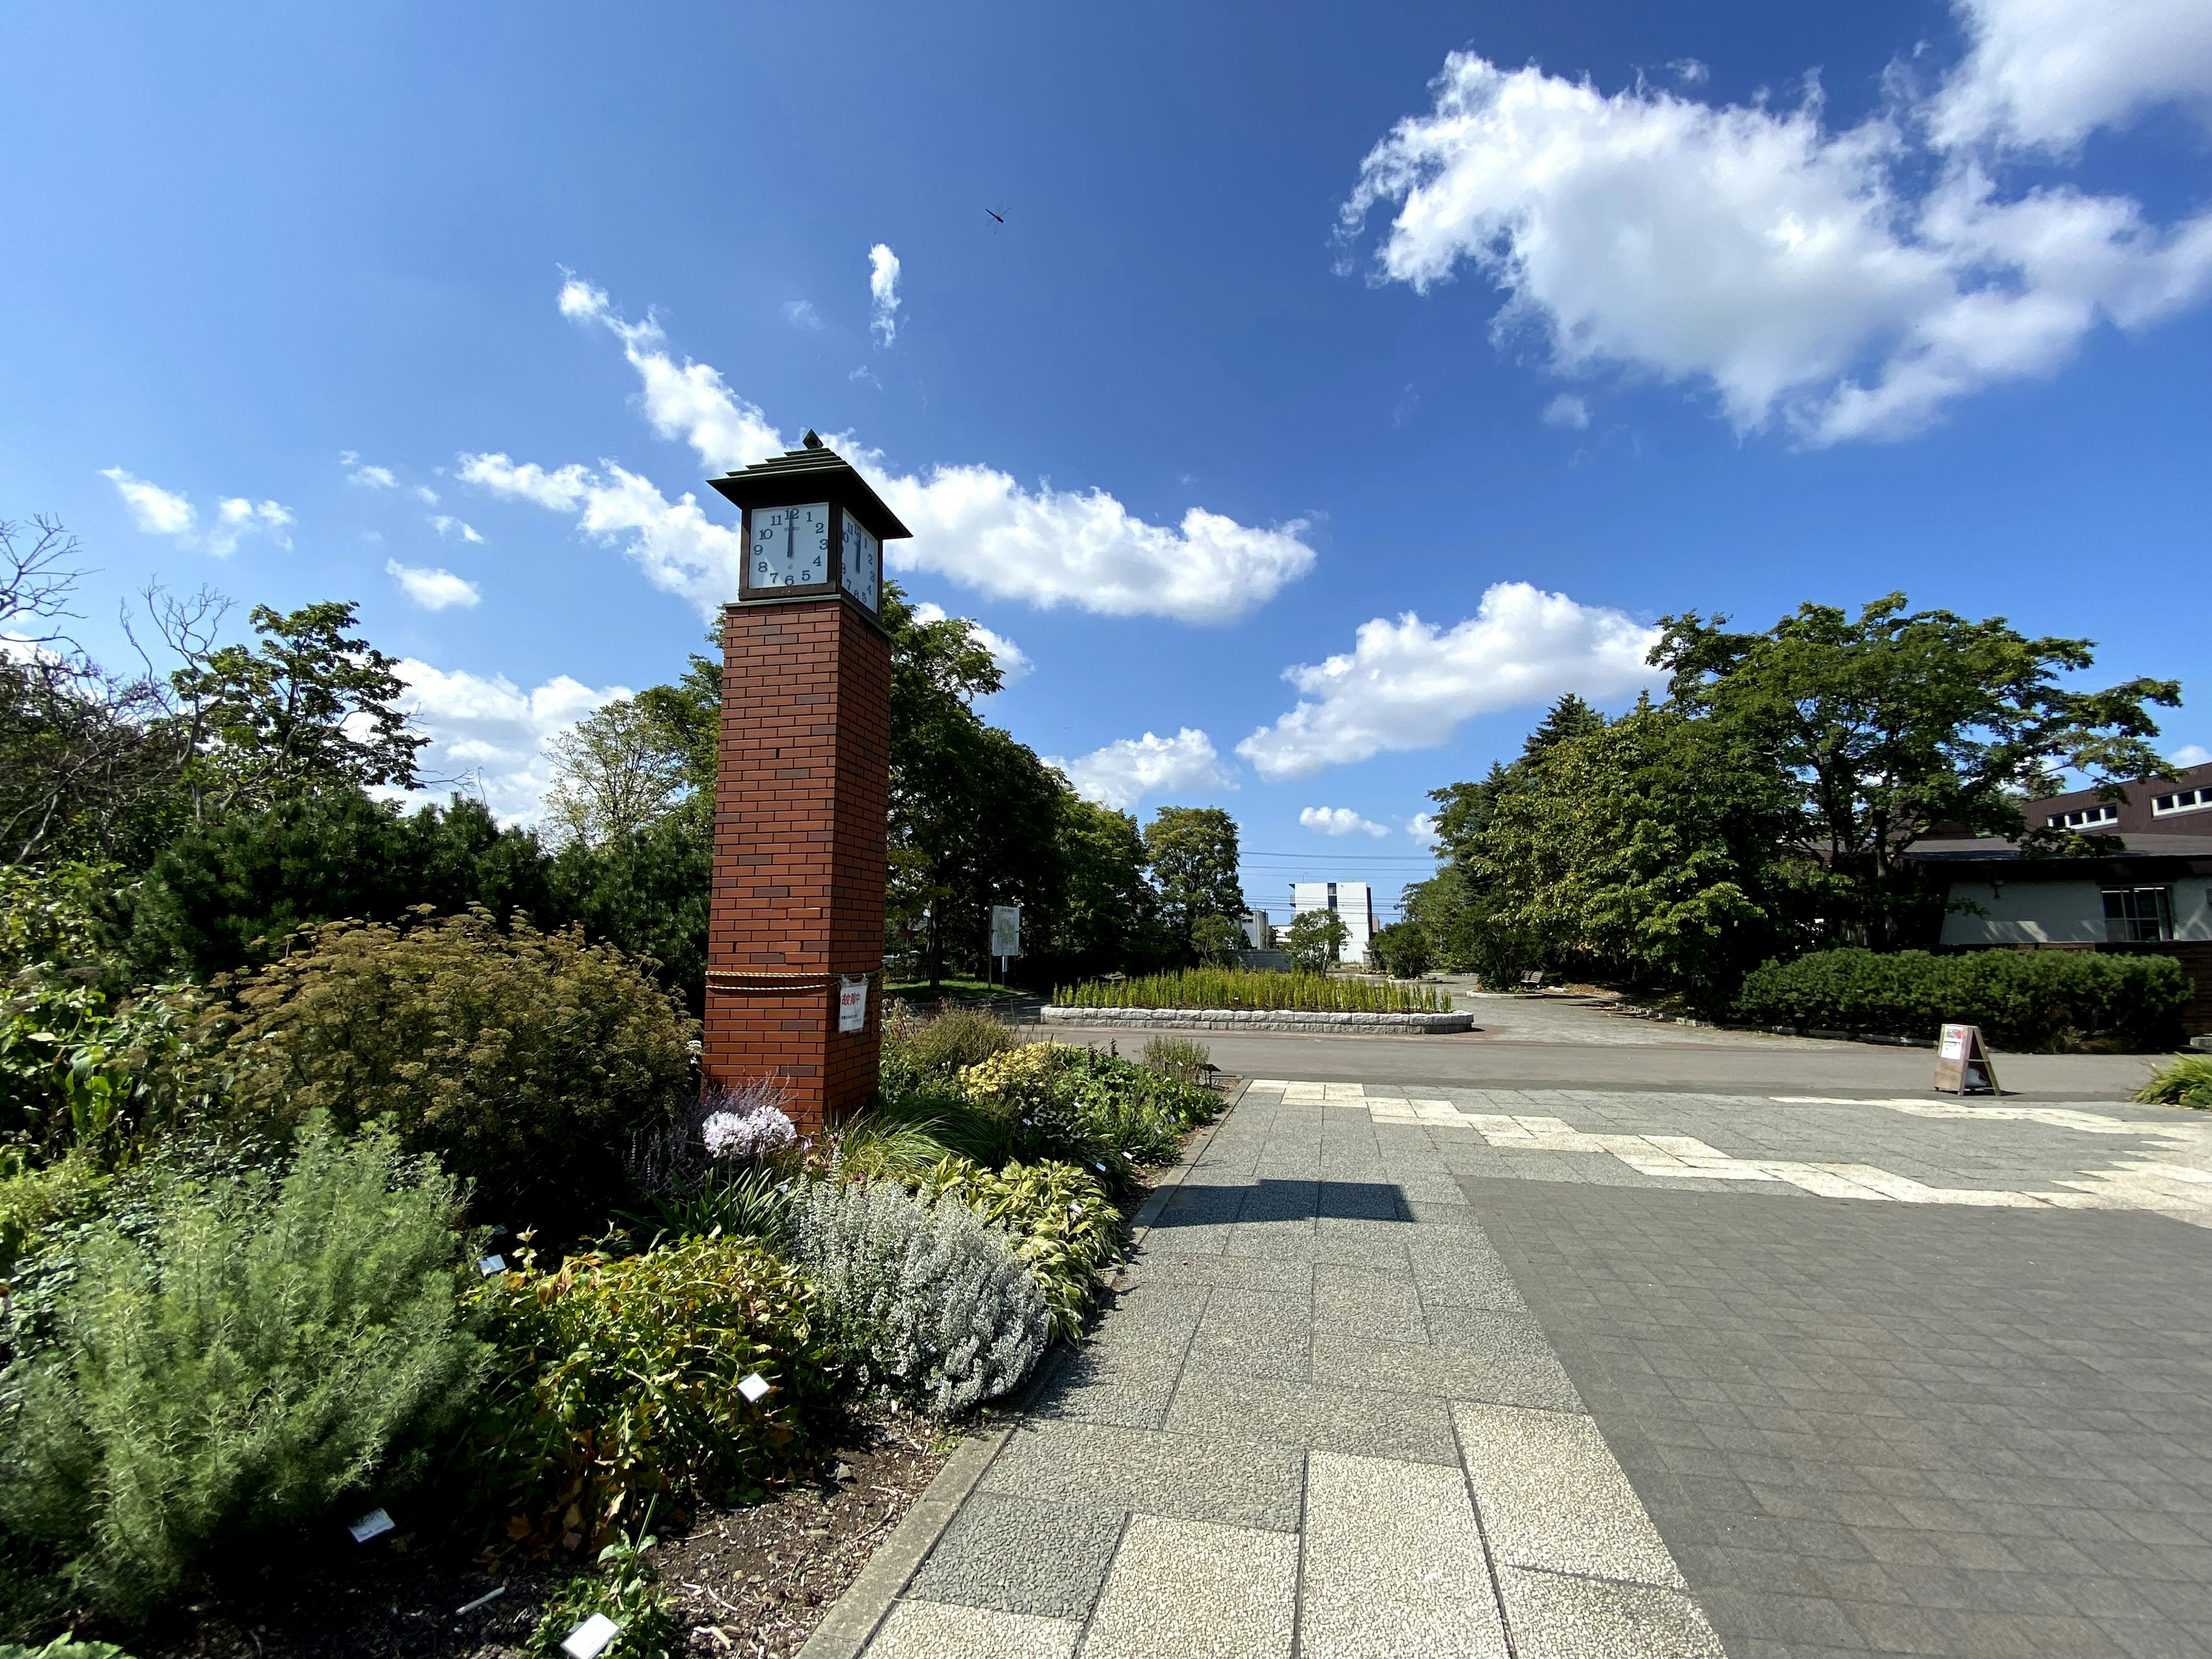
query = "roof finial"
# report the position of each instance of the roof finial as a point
(812, 440)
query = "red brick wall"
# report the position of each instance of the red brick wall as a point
(800, 803)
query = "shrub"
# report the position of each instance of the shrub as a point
(33, 1200)
(2022, 1000)
(2186, 1082)
(243, 1355)
(1066, 1229)
(518, 1058)
(626, 1593)
(63, 1647)
(954, 1040)
(1177, 1057)
(1087, 1106)
(1401, 949)
(615, 1383)
(1224, 988)
(927, 1302)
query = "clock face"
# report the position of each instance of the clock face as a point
(790, 546)
(863, 565)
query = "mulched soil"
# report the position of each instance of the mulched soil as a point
(749, 1584)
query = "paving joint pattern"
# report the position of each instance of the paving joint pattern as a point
(1422, 1372)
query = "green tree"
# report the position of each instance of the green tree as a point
(1315, 941)
(1109, 919)
(1217, 939)
(227, 893)
(311, 706)
(1651, 849)
(1401, 949)
(974, 816)
(1889, 723)
(616, 772)
(1193, 856)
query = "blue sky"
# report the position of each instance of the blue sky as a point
(1530, 325)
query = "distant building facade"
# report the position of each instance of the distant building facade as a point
(1354, 901)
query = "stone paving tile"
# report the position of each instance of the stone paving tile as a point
(1394, 1566)
(1238, 1483)
(1100, 1385)
(1019, 1555)
(1184, 1587)
(1362, 1301)
(930, 1630)
(1942, 1430)
(1555, 1616)
(1552, 1497)
(1254, 1333)
(1455, 1373)
(1236, 1272)
(1411, 1428)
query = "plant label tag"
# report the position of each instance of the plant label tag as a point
(585, 1641)
(753, 1387)
(492, 1264)
(852, 1003)
(483, 1601)
(374, 1524)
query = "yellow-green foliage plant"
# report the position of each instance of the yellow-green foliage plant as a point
(1066, 1229)
(1237, 988)
(224, 1357)
(2186, 1082)
(617, 1383)
(518, 1057)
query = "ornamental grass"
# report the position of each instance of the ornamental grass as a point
(1237, 987)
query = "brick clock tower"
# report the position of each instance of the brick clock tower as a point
(795, 942)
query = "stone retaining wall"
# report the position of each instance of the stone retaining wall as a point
(1257, 1019)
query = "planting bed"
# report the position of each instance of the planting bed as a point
(750, 1581)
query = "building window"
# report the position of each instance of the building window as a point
(2181, 800)
(2134, 914)
(2087, 817)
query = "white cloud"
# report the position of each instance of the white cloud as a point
(1423, 827)
(2190, 754)
(2049, 72)
(160, 512)
(433, 589)
(1690, 72)
(692, 403)
(972, 525)
(1804, 274)
(1407, 686)
(1129, 769)
(975, 525)
(1013, 662)
(425, 494)
(801, 314)
(1567, 412)
(882, 294)
(156, 511)
(359, 472)
(1340, 821)
(445, 525)
(493, 735)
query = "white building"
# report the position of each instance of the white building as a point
(1354, 901)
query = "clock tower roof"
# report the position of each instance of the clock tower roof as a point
(815, 472)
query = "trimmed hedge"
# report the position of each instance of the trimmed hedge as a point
(2022, 1000)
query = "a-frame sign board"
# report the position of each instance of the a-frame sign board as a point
(1962, 1062)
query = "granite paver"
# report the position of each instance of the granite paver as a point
(1545, 1372)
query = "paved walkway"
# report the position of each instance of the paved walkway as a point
(1531, 1373)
